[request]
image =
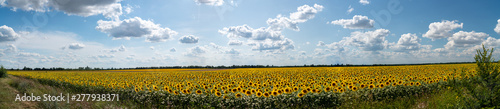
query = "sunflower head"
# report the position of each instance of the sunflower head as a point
(199, 91)
(371, 86)
(238, 95)
(300, 95)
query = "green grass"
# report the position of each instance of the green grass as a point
(12, 85)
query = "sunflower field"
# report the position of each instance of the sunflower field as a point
(259, 87)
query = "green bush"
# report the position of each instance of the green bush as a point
(3, 72)
(487, 91)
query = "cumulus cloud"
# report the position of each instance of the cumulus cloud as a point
(26, 54)
(270, 39)
(305, 12)
(76, 46)
(173, 50)
(364, 2)
(232, 51)
(7, 34)
(246, 31)
(210, 2)
(189, 39)
(11, 48)
(122, 48)
(490, 41)
(235, 42)
(438, 30)
(196, 51)
(108, 8)
(321, 43)
(281, 22)
(274, 46)
(407, 42)
(368, 41)
(465, 39)
(103, 56)
(135, 27)
(357, 22)
(497, 29)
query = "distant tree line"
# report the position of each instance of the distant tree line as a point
(226, 67)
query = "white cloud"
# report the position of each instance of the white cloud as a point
(281, 22)
(11, 48)
(407, 42)
(497, 29)
(321, 43)
(108, 8)
(26, 54)
(305, 12)
(235, 42)
(270, 39)
(189, 39)
(103, 56)
(438, 30)
(122, 48)
(490, 41)
(364, 2)
(233, 51)
(76, 46)
(368, 41)
(128, 9)
(210, 2)
(7, 34)
(273, 46)
(135, 27)
(196, 51)
(152, 47)
(246, 31)
(357, 22)
(173, 50)
(463, 39)
(350, 9)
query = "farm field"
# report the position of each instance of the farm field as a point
(260, 87)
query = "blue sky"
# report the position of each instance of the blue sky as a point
(125, 33)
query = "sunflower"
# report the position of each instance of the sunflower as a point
(394, 84)
(354, 88)
(327, 89)
(274, 93)
(165, 88)
(218, 93)
(258, 94)
(225, 97)
(418, 83)
(136, 89)
(199, 91)
(300, 95)
(412, 83)
(238, 95)
(381, 86)
(155, 88)
(362, 86)
(287, 90)
(248, 93)
(304, 91)
(295, 88)
(266, 94)
(280, 91)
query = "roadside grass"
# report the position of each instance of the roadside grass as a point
(12, 85)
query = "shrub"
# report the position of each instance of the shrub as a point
(3, 72)
(487, 90)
